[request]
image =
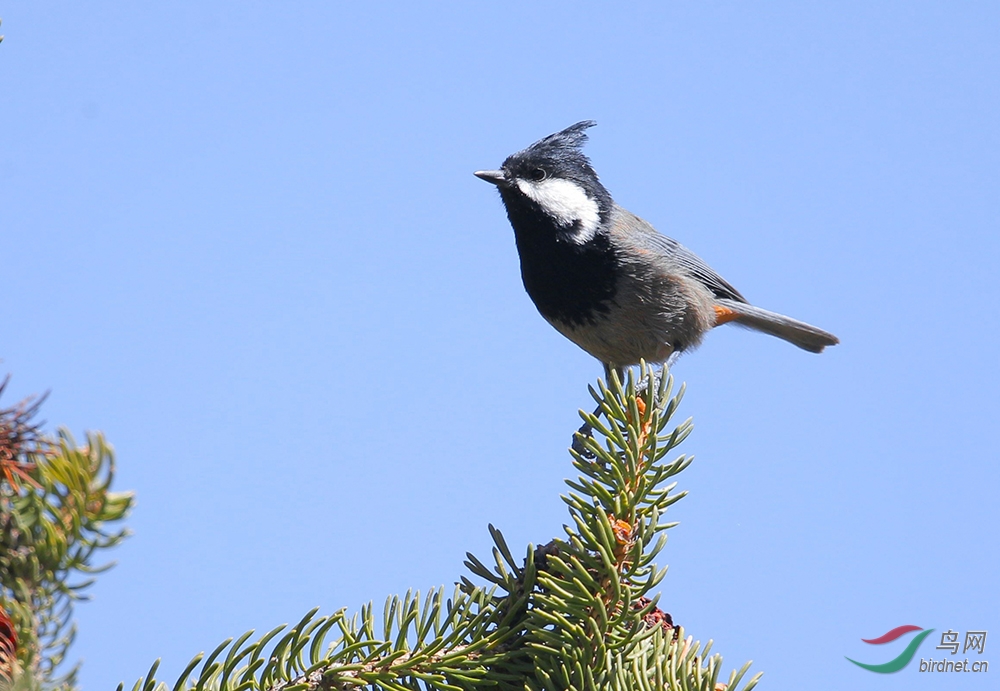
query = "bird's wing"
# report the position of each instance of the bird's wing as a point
(697, 267)
(645, 234)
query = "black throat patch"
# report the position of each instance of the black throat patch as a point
(569, 283)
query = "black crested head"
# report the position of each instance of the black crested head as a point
(560, 156)
(565, 147)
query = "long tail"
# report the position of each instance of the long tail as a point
(803, 335)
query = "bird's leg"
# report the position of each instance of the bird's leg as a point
(658, 374)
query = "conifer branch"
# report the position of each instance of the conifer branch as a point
(577, 613)
(56, 509)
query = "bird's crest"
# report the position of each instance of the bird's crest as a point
(560, 154)
(573, 137)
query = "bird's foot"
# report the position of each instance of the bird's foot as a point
(656, 375)
(579, 441)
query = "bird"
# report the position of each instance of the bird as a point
(608, 280)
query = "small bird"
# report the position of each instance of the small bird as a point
(605, 278)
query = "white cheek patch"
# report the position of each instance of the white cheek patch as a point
(567, 204)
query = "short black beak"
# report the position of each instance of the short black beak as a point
(497, 177)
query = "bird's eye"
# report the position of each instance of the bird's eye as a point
(538, 175)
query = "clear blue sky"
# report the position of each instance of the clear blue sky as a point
(244, 240)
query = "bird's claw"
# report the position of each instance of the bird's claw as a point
(579, 441)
